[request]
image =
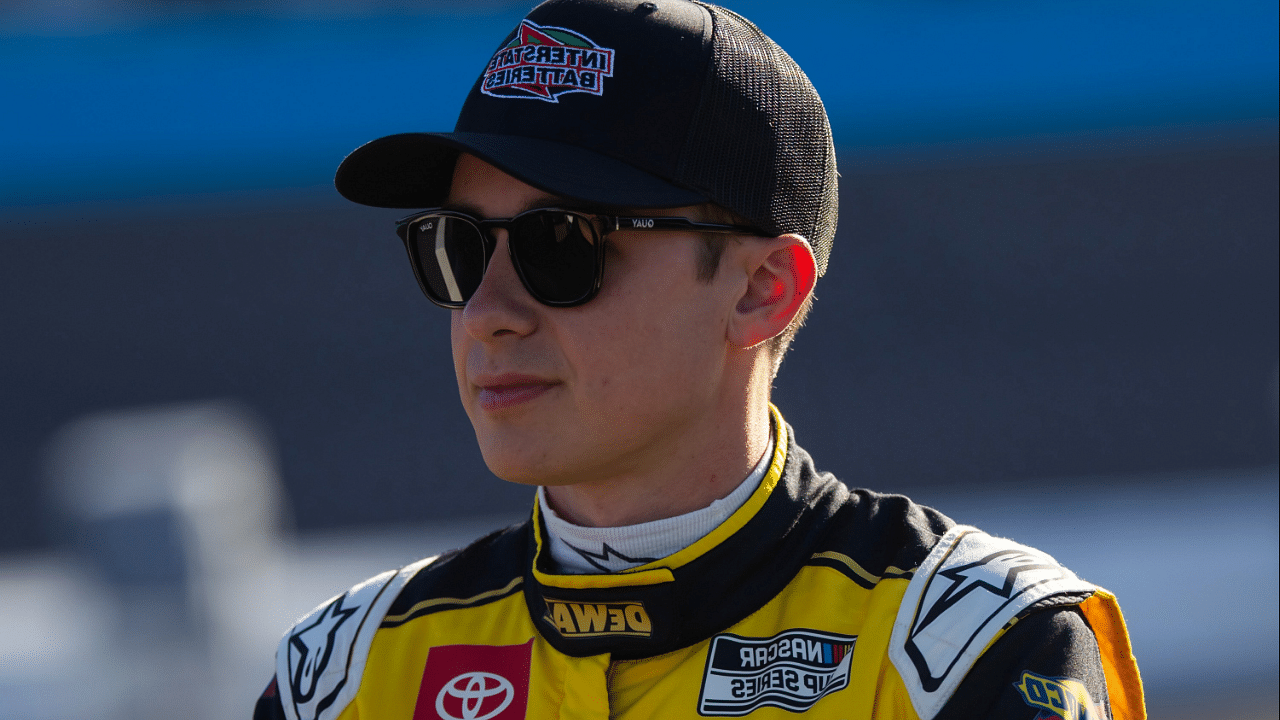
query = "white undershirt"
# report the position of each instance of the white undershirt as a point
(578, 550)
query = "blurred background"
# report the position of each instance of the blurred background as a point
(1051, 311)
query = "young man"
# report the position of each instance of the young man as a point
(627, 225)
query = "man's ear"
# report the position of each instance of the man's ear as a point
(780, 275)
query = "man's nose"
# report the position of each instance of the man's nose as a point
(500, 305)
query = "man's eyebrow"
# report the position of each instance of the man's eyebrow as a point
(466, 208)
(545, 201)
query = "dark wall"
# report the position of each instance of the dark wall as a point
(1104, 315)
(980, 322)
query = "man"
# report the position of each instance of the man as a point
(627, 226)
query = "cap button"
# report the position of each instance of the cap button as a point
(647, 7)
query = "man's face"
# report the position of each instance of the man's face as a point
(617, 387)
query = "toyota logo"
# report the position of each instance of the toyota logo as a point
(476, 691)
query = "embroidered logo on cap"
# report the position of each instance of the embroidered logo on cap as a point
(544, 62)
(475, 682)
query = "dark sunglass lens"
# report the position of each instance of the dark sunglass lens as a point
(451, 257)
(557, 255)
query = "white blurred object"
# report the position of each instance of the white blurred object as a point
(174, 515)
(58, 624)
(174, 584)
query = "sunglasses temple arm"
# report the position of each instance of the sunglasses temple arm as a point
(671, 223)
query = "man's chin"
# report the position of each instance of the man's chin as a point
(519, 480)
(531, 470)
(521, 468)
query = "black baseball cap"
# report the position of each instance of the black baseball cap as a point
(631, 104)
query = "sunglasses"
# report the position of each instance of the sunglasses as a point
(558, 254)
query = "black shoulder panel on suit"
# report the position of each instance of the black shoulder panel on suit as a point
(486, 570)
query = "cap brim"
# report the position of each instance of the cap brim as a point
(414, 170)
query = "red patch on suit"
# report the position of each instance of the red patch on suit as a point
(475, 682)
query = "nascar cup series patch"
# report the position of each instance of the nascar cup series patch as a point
(544, 62)
(792, 670)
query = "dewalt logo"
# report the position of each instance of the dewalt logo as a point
(584, 620)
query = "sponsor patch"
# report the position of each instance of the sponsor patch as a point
(544, 62)
(320, 660)
(1061, 698)
(475, 682)
(792, 670)
(968, 588)
(586, 620)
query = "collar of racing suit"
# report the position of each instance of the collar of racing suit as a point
(687, 597)
(580, 550)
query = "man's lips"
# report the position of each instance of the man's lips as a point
(498, 392)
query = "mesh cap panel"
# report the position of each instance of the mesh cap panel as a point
(760, 144)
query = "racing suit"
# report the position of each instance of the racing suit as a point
(811, 598)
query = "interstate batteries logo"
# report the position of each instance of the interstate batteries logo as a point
(544, 62)
(792, 670)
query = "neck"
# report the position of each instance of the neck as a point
(705, 467)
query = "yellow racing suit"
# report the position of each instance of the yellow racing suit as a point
(810, 599)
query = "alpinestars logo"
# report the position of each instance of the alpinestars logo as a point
(608, 559)
(977, 575)
(544, 62)
(310, 650)
(791, 670)
(963, 598)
